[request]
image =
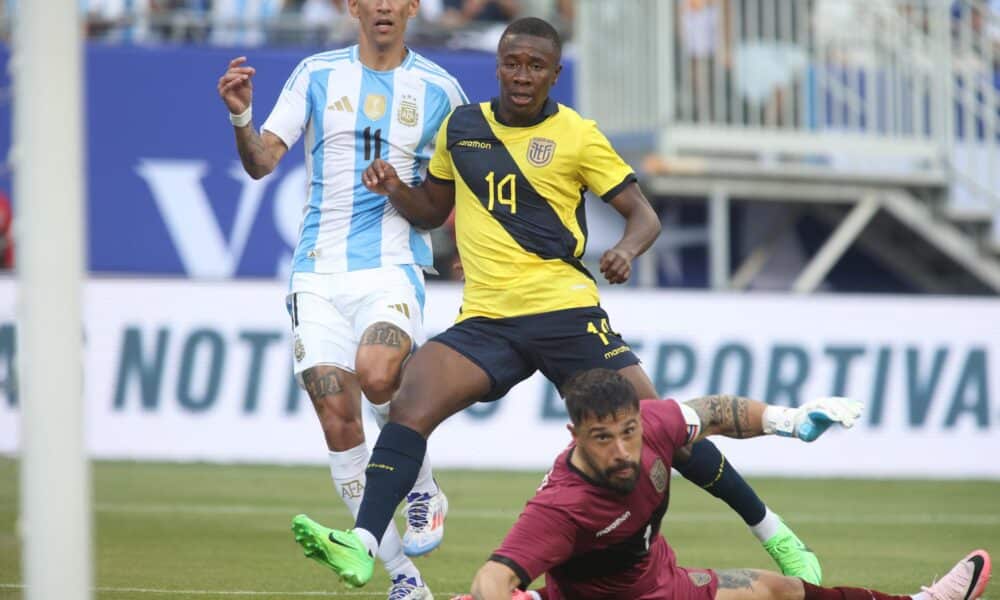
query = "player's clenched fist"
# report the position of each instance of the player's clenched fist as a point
(380, 177)
(616, 265)
(235, 87)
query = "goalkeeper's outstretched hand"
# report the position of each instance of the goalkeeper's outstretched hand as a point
(813, 418)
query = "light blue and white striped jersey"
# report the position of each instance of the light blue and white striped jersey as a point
(351, 114)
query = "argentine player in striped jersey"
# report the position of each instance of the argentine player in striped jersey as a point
(357, 290)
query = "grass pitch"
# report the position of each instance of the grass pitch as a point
(168, 532)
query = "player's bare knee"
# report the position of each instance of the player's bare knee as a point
(378, 380)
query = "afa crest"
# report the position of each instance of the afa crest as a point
(300, 349)
(541, 151)
(407, 113)
(374, 106)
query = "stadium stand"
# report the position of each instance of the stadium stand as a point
(876, 119)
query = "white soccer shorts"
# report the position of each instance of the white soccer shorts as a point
(331, 311)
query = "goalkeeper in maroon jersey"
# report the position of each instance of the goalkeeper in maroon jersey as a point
(593, 527)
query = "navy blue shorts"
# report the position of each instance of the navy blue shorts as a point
(558, 343)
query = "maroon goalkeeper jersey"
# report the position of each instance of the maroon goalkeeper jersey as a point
(593, 542)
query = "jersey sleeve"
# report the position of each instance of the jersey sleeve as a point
(290, 114)
(667, 424)
(440, 168)
(542, 538)
(601, 168)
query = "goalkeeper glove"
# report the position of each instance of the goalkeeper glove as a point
(810, 420)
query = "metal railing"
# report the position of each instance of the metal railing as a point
(870, 86)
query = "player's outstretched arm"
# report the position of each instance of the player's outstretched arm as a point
(427, 206)
(737, 417)
(259, 153)
(642, 227)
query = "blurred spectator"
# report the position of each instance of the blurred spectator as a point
(120, 20)
(559, 13)
(6, 234)
(325, 22)
(7, 20)
(478, 24)
(458, 13)
(244, 22)
(701, 24)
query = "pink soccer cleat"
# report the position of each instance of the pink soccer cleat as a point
(965, 581)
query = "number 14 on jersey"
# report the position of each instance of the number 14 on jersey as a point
(504, 191)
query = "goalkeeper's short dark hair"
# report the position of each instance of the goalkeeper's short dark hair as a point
(536, 27)
(598, 393)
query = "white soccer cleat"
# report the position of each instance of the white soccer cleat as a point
(425, 515)
(408, 588)
(965, 581)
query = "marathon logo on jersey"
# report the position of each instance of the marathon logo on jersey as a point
(541, 151)
(475, 144)
(614, 524)
(374, 106)
(407, 113)
(658, 475)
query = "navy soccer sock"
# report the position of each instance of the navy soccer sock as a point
(391, 472)
(709, 469)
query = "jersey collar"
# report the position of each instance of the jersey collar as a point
(550, 108)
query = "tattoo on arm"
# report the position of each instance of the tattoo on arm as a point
(322, 381)
(254, 154)
(730, 414)
(383, 334)
(737, 579)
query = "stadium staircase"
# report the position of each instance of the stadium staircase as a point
(880, 118)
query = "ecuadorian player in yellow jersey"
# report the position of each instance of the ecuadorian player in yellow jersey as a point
(515, 167)
(518, 198)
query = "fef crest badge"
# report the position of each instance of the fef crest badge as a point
(300, 349)
(541, 151)
(407, 113)
(374, 106)
(658, 475)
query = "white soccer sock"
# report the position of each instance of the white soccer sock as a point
(921, 596)
(425, 478)
(380, 412)
(348, 471)
(767, 527)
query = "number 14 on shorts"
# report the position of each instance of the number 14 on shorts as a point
(602, 333)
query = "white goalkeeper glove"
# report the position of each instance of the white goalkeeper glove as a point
(810, 420)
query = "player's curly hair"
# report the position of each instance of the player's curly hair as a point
(536, 27)
(598, 393)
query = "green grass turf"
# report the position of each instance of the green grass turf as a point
(166, 531)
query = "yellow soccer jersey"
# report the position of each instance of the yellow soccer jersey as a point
(520, 221)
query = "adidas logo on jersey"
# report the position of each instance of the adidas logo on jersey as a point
(343, 105)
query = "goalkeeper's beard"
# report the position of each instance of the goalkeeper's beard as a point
(614, 477)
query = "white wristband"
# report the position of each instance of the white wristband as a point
(243, 119)
(779, 420)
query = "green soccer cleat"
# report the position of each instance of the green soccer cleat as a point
(793, 557)
(341, 551)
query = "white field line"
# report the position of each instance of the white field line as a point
(136, 590)
(820, 518)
